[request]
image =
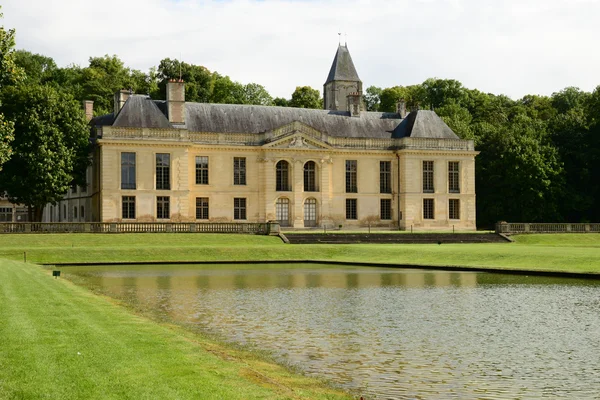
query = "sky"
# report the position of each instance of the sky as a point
(510, 47)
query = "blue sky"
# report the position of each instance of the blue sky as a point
(507, 47)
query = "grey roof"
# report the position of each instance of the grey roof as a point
(235, 118)
(423, 124)
(141, 111)
(342, 68)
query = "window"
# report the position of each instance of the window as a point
(162, 207)
(201, 170)
(310, 177)
(82, 213)
(163, 171)
(351, 209)
(453, 177)
(5, 214)
(64, 211)
(128, 207)
(75, 212)
(73, 188)
(454, 209)
(239, 208)
(428, 210)
(239, 170)
(385, 206)
(201, 207)
(128, 171)
(310, 212)
(282, 176)
(385, 177)
(282, 211)
(427, 176)
(351, 168)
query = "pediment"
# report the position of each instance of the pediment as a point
(299, 141)
(294, 127)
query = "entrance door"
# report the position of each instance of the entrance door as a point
(282, 211)
(310, 212)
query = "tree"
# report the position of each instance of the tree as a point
(372, 98)
(38, 69)
(257, 94)
(50, 147)
(306, 97)
(9, 74)
(198, 79)
(281, 102)
(226, 91)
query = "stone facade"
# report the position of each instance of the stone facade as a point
(177, 161)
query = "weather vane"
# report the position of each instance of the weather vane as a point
(340, 37)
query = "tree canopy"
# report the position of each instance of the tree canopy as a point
(306, 97)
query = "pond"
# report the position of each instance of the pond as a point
(387, 333)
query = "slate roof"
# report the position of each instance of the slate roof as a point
(139, 111)
(342, 68)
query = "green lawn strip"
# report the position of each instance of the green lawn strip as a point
(60, 341)
(580, 252)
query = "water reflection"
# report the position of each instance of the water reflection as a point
(389, 333)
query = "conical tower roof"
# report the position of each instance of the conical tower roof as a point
(342, 68)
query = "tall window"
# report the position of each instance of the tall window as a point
(239, 170)
(282, 211)
(428, 210)
(282, 176)
(385, 206)
(127, 170)
(351, 168)
(201, 207)
(6, 214)
(82, 213)
(75, 212)
(454, 209)
(128, 207)
(163, 207)
(239, 208)
(310, 212)
(453, 177)
(385, 176)
(201, 170)
(428, 177)
(310, 177)
(351, 209)
(163, 171)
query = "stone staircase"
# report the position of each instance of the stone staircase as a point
(406, 238)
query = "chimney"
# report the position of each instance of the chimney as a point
(416, 107)
(120, 98)
(176, 101)
(88, 106)
(401, 108)
(354, 103)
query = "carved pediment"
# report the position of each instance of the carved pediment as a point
(298, 141)
(295, 127)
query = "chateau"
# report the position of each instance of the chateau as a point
(172, 160)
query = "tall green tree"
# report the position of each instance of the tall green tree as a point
(306, 97)
(257, 94)
(373, 98)
(9, 74)
(50, 148)
(198, 79)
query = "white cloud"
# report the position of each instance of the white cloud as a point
(514, 47)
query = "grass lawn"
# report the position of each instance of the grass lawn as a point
(554, 252)
(60, 341)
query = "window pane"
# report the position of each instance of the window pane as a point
(201, 207)
(428, 177)
(282, 176)
(163, 171)
(428, 211)
(127, 170)
(454, 209)
(386, 208)
(239, 170)
(351, 209)
(201, 170)
(310, 177)
(351, 168)
(162, 207)
(239, 208)
(453, 177)
(385, 177)
(128, 207)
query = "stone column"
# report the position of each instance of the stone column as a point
(298, 193)
(326, 188)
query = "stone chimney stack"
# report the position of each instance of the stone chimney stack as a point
(176, 101)
(88, 106)
(120, 98)
(401, 108)
(354, 103)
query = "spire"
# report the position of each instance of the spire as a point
(342, 68)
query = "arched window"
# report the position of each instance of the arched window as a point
(310, 177)
(283, 176)
(310, 212)
(282, 211)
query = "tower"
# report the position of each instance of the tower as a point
(342, 82)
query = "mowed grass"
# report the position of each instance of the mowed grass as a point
(60, 341)
(555, 252)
